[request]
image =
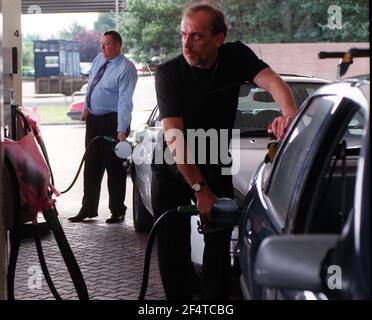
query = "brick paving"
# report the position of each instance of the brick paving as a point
(110, 256)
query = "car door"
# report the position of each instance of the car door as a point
(328, 195)
(280, 185)
(324, 190)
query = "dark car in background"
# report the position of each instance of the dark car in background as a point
(303, 233)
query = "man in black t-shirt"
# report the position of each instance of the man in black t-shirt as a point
(199, 90)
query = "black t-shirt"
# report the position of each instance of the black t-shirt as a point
(204, 98)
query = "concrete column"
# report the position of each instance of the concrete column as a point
(12, 37)
(3, 246)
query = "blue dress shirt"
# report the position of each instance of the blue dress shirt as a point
(114, 92)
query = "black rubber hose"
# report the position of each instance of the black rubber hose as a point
(50, 216)
(15, 241)
(43, 264)
(37, 136)
(188, 210)
(150, 242)
(15, 233)
(45, 153)
(81, 163)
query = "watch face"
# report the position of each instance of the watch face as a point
(196, 187)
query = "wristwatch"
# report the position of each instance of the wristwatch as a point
(197, 186)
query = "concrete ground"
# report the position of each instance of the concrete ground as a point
(110, 256)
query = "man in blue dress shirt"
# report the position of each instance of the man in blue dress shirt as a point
(108, 107)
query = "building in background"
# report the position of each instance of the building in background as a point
(56, 58)
(57, 66)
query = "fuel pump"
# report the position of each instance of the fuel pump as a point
(29, 184)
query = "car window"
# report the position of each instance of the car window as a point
(354, 130)
(257, 109)
(334, 195)
(296, 153)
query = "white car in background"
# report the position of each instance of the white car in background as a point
(143, 69)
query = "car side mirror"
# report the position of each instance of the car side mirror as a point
(293, 262)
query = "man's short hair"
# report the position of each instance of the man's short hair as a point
(218, 21)
(116, 38)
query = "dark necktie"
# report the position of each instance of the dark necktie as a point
(96, 79)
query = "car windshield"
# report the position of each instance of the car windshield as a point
(257, 108)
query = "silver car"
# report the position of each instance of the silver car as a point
(256, 110)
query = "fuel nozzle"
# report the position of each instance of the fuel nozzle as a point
(272, 145)
(225, 213)
(110, 139)
(122, 149)
(188, 210)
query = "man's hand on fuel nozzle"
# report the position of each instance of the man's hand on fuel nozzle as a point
(121, 136)
(205, 200)
(280, 124)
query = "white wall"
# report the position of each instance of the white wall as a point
(302, 58)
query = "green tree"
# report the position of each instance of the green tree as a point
(151, 27)
(295, 20)
(88, 39)
(28, 50)
(27, 53)
(106, 21)
(69, 32)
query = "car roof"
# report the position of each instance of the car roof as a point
(365, 88)
(302, 78)
(354, 89)
(359, 77)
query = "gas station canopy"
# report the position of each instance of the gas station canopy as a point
(70, 6)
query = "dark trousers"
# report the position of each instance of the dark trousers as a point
(174, 250)
(100, 156)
